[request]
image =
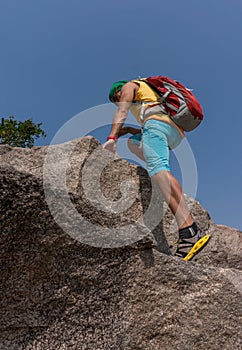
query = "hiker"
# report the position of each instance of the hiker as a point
(159, 134)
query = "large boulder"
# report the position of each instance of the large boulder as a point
(86, 264)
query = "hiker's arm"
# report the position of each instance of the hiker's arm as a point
(125, 101)
(119, 118)
(126, 98)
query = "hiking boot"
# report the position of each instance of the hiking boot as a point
(191, 241)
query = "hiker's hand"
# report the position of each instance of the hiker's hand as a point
(124, 131)
(134, 131)
(129, 130)
(111, 146)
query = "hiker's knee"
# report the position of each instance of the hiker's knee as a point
(134, 143)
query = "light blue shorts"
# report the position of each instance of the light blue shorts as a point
(157, 140)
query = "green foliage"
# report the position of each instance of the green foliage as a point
(20, 134)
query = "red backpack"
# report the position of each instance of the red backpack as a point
(178, 101)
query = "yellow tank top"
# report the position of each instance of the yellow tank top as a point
(151, 98)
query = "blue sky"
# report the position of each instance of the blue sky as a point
(60, 57)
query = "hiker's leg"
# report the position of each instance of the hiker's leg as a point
(134, 144)
(158, 137)
(173, 195)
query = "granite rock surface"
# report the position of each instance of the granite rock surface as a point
(86, 264)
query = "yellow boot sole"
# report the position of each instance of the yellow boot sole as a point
(197, 247)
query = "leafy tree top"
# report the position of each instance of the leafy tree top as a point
(18, 133)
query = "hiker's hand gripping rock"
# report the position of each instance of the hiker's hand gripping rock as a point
(111, 146)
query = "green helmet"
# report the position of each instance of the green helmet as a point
(116, 87)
